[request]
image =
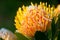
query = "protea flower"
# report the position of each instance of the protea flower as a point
(57, 12)
(30, 19)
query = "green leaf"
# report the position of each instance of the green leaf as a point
(58, 36)
(21, 37)
(49, 33)
(58, 27)
(53, 28)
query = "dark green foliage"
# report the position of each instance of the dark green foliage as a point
(58, 36)
(53, 28)
(40, 36)
(1, 39)
(58, 27)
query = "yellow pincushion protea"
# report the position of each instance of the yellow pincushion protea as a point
(30, 19)
(57, 12)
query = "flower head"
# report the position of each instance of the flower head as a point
(57, 10)
(30, 19)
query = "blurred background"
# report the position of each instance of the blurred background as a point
(8, 9)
